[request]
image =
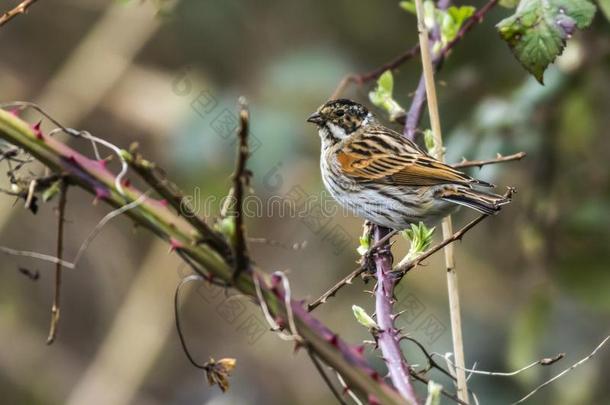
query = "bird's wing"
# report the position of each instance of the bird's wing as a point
(379, 155)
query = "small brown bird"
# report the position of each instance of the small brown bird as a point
(384, 177)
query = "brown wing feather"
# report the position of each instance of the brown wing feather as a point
(380, 155)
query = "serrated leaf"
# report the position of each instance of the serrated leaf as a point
(538, 31)
(421, 238)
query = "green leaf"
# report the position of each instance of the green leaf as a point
(363, 318)
(538, 31)
(408, 6)
(51, 191)
(226, 226)
(365, 244)
(421, 238)
(508, 3)
(434, 393)
(429, 140)
(382, 96)
(452, 20)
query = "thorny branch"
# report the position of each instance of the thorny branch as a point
(388, 337)
(350, 277)
(21, 8)
(94, 177)
(402, 267)
(480, 163)
(150, 173)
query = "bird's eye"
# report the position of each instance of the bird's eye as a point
(340, 113)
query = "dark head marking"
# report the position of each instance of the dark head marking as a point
(340, 117)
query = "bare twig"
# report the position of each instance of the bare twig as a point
(375, 73)
(21, 8)
(498, 159)
(547, 361)
(431, 362)
(350, 277)
(564, 372)
(241, 178)
(324, 376)
(55, 309)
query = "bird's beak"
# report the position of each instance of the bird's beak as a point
(315, 118)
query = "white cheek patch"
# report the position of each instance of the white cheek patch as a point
(368, 119)
(336, 131)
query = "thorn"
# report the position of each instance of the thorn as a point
(102, 163)
(164, 202)
(397, 314)
(360, 349)
(100, 194)
(281, 323)
(15, 111)
(334, 340)
(37, 130)
(126, 182)
(174, 244)
(375, 375)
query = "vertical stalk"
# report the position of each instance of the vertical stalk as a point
(452, 282)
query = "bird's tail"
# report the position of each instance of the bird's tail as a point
(485, 203)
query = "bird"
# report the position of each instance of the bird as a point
(387, 179)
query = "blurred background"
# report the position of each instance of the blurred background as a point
(534, 280)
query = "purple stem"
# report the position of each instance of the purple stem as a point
(388, 339)
(416, 110)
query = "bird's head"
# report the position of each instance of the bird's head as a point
(337, 119)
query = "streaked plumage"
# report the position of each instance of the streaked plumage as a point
(384, 177)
